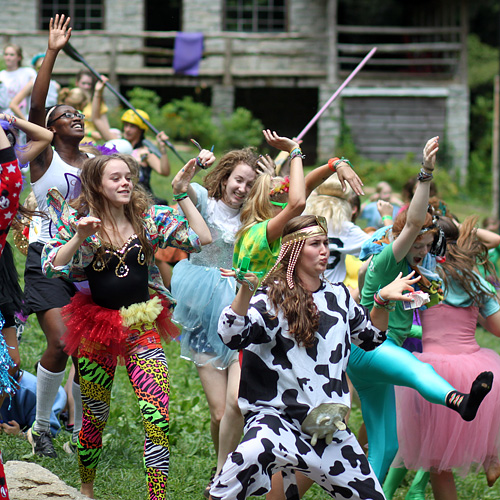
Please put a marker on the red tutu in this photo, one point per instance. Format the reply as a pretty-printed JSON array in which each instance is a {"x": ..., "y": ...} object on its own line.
[{"x": 95, "y": 332}]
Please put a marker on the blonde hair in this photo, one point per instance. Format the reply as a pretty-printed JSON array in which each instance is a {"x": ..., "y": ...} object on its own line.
[
  {"x": 258, "y": 207},
  {"x": 331, "y": 202},
  {"x": 75, "y": 97}
]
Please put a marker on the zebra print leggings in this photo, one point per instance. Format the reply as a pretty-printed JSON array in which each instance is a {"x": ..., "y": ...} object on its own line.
[{"x": 148, "y": 374}]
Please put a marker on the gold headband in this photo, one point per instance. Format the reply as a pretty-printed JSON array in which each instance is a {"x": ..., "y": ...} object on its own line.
[{"x": 307, "y": 232}]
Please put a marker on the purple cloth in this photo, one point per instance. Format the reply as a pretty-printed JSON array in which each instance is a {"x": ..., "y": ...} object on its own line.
[{"x": 188, "y": 51}]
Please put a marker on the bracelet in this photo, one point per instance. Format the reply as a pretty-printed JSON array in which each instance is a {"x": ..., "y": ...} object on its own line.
[
  {"x": 180, "y": 196},
  {"x": 89, "y": 134},
  {"x": 424, "y": 176},
  {"x": 345, "y": 160},
  {"x": 10, "y": 119},
  {"x": 331, "y": 164},
  {"x": 379, "y": 303},
  {"x": 297, "y": 152},
  {"x": 387, "y": 217}
]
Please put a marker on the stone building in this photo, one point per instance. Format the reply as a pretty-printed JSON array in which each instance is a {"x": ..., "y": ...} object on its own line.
[{"x": 283, "y": 59}]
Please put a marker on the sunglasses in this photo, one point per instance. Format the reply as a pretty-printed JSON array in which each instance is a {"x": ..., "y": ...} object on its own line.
[{"x": 69, "y": 115}]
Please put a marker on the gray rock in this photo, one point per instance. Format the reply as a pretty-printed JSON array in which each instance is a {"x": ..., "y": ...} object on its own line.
[{"x": 29, "y": 481}]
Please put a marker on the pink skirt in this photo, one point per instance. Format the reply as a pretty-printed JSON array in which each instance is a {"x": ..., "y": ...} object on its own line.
[{"x": 433, "y": 437}]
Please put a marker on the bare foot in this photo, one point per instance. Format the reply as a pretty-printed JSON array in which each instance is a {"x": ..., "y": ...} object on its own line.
[{"x": 492, "y": 473}]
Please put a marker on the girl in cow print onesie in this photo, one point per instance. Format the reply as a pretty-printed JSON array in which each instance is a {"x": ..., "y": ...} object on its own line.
[{"x": 296, "y": 335}]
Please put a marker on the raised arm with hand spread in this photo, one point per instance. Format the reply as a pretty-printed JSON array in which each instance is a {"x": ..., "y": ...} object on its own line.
[
  {"x": 180, "y": 186},
  {"x": 418, "y": 206}
]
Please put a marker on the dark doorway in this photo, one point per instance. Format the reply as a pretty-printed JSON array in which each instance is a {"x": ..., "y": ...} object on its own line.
[
  {"x": 286, "y": 110},
  {"x": 161, "y": 16}
]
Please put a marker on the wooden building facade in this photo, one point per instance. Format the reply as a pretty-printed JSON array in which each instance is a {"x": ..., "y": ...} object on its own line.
[{"x": 282, "y": 59}]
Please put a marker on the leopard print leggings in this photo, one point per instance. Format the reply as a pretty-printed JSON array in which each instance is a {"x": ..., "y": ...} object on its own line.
[{"x": 148, "y": 374}]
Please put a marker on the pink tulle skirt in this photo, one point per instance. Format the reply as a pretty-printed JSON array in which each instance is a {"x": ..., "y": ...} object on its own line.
[
  {"x": 94, "y": 331},
  {"x": 434, "y": 437}
]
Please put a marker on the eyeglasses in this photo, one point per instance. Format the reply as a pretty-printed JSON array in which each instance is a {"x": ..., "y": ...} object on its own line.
[
  {"x": 278, "y": 204},
  {"x": 69, "y": 115}
]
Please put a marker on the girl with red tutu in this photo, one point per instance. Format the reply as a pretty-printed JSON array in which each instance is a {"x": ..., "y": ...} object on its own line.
[
  {"x": 429, "y": 436},
  {"x": 110, "y": 239}
]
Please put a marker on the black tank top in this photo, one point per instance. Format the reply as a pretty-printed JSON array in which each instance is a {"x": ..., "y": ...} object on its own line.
[{"x": 119, "y": 278}]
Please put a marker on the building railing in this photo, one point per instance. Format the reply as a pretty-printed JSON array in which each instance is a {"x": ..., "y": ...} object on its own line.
[{"x": 403, "y": 52}]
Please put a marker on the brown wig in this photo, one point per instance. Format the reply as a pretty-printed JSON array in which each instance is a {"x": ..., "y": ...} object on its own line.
[
  {"x": 214, "y": 180},
  {"x": 92, "y": 200},
  {"x": 464, "y": 252},
  {"x": 296, "y": 304}
]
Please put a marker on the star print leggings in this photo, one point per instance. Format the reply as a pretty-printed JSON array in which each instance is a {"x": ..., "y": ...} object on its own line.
[{"x": 148, "y": 374}]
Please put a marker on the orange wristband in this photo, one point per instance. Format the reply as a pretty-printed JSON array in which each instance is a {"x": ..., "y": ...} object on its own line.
[{"x": 331, "y": 164}]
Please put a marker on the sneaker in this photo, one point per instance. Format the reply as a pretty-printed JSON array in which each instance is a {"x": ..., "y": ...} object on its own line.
[
  {"x": 70, "y": 447},
  {"x": 41, "y": 442}
]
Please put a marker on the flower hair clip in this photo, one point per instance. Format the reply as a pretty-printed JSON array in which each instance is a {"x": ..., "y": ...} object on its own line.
[{"x": 282, "y": 187}]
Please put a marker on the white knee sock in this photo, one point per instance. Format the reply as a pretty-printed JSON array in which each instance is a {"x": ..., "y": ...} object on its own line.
[
  {"x": 47, "y": 385},
  {"x": 77, "y": 396}
]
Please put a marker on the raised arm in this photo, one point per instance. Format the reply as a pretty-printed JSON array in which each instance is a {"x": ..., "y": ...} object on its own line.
[
  {"x": 344, "y": 172},
  {"x": 100, "y": 120},
  {"x": 297, "y": 190},
  {"x": 417, "y": 210},
  {"x": 59, "y": 35},
  {"x": 180, "y": 185},
  {"x": 39, "y": 138}
]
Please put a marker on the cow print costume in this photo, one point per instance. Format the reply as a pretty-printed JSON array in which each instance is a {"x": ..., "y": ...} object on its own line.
[{"x": 281, "y": 382}]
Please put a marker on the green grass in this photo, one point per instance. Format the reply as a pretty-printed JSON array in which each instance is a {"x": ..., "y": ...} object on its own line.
[{"x": 120, "y": 475}]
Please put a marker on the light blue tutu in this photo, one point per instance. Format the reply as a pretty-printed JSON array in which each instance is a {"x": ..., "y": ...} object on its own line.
[{"x": 201, "y": 293}]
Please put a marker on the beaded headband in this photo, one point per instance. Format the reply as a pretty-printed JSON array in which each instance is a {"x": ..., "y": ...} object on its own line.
[
  {"x": 307, "y": 232},
  {"x": 295, "y": 241}
]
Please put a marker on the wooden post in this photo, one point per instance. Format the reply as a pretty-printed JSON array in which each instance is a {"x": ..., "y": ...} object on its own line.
[
  {"x": 331, "y": 19},
  {"x": 495, "y": 146},
  {"x": 227, "y": 79}
]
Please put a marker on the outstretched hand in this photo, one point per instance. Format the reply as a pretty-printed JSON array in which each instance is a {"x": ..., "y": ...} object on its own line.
[
  {"x": 395, "y": 289},
  {"x": 266, "y": 165},
  {"x": 247, "y": 280},
  {"x": 281, "y": 143},
  {"x": 429, "y": 154},
  {"x": 87, "y": 226},
  {"x": 347, "y": 174},
  {"x": 59, "y": 32}
]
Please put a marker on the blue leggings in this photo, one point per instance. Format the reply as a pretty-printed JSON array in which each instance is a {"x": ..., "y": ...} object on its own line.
[{"x": 374, "y": 375}]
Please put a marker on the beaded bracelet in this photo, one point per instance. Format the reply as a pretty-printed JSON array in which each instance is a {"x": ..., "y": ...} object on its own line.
[
  {"x": 331, "y": 164},
  {"x": 297, "y": 152},
  {"x": 424, "y": 176},
  {"x": 180, "y": 196}
]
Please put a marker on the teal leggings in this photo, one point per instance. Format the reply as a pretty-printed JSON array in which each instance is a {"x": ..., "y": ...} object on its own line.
[{"x": 374, "y": 375}]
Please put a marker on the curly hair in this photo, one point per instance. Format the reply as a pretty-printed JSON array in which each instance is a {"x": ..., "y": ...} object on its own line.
[
  {"x": 215, "y": 180},
  {"x": 296, "y": 304},
  {"x": 464, "y": 252},
  {"x": 92, "y": 199}
]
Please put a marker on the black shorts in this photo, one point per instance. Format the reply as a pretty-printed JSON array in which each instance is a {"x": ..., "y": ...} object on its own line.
[{"x": 43, "y": 293}]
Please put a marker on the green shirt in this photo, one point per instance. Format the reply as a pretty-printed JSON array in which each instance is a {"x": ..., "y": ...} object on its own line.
[
  {"x": 382, "y": 270},
  {"x": 254, "y": 244}
]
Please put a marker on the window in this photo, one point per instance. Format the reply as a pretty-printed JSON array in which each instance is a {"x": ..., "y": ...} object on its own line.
[
  {"x": 255, "y": 15},
  {"x": 85, "y": 14}
]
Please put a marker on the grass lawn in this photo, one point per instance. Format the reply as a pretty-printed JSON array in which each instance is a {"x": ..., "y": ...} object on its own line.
[{"x": 120, "y": 474}]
